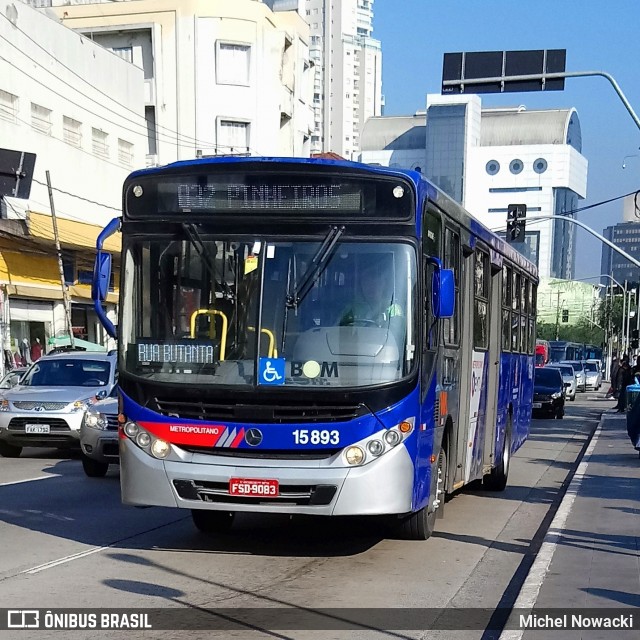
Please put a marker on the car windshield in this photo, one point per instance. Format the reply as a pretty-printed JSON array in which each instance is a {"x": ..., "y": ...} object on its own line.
[
  {"x": 547, "y": 377},
  {"x": 591, "y": 367},
  {"x": 320, "y": 313},
  {"x": 68, "y": 372},
  {"x": 566, "y": 371}
]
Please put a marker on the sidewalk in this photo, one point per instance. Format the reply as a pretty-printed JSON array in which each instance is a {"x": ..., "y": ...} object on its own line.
[{"x": 595, "y": 556}]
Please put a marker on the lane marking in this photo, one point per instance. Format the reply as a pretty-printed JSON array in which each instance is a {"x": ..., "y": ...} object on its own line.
[
  {"x": 531, "y": 588},
  {"x": 55, "y": 563},
  {"x": 6, "y": 484}
]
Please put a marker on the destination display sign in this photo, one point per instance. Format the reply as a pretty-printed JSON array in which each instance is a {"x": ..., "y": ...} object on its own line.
[
  {"x": 239, "y": 194},
  {"x": 339, "y": 197},
  {"x": 183, "y": 352}
]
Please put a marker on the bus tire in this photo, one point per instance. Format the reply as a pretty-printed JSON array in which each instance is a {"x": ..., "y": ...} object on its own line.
[
  {"x": 212, "y": 521},
  {"x": 497, "y": 479},
  {"x": 94, "y": 468},
  {"x": 9, "y": 450},
  {"x": 421, "y": 524}
]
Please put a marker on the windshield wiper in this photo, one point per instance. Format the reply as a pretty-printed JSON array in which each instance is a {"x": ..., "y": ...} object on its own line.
[
  {"x": 205, "y": 256},
  {"x": 315, "y": 269}
]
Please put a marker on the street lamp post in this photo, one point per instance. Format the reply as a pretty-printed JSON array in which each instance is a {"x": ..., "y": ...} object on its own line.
[{"x": 625, "y": 320}]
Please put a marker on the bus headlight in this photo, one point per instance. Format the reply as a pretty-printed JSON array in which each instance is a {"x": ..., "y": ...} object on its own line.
[
  {"x": 392, "y": 437},
  {"x": 160, "y": 449},
  {"x": 354, "y": 456},
  {"x": 143, "y": 439},
  {"x": 131, "y": 429},
  {"x": 375, "y": 447}
]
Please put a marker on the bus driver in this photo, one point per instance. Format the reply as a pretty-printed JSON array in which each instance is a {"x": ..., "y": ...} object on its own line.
[{"x": 374, "y": 304}]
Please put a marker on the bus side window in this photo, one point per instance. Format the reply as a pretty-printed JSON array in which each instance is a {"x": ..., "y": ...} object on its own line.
[
  {"x": 431, "y": 247},
  {"x": 452, "y": 261},
  {"x": 481, "y": 300}
]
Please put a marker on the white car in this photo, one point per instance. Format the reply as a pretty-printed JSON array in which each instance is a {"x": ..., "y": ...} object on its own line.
[
  {"x": 578, "y": 367},
  {"x": 569, "y": 379},
  {"x": 47, "y": 406},
  {"x": 594, "y": 376}
]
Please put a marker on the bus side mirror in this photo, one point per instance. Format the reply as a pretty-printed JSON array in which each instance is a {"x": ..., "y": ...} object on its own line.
[
  {"x": 443, "y": 293},
  {"x": 101, "y": 276}
]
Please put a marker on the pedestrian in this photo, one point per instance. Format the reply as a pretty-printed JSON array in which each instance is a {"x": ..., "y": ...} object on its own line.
[
  {"x": 36, "y": 350},
  {"x": 624, "y": 377},
  {"x": 612, "y": 393}
]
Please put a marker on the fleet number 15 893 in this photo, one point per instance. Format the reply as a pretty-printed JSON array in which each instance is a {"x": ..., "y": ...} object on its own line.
[{"x": 316, "y": 436}]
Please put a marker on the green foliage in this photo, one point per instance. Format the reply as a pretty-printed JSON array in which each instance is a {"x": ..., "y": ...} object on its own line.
[{"x": 581, "y": 331}]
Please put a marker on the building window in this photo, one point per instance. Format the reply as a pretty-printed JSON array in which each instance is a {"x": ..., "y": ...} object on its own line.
[
  {"x": 516, "y": 166},
  {"x": 99, "y": 141},
  {"x": 8, "y": 106},
  {"x": 72, "y": 131},
  {"x": 233, "y": 136},
  {"x": 540, "y": 165},
  {"x": 126, "y": 53},
  {"x": 125, "y": 153},
  {"x": 493, "y": 166},
  {"x": 41, "y": 119},
  {"x": 232, "y": 63}
]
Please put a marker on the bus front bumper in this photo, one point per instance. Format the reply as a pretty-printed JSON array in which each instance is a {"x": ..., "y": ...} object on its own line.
[{"x": 383, "y": 486}]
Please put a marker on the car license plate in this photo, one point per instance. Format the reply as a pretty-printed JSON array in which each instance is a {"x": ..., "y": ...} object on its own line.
[
  {"x": 253, "y": 487},
  {"x": 537, "y": 405},
  {"x": 37, "y": 428}
]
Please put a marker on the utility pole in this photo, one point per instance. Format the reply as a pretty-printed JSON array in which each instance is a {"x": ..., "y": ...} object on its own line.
[
  {"x": 65, "y": 292},
  {"x": 558, "y": 316}
]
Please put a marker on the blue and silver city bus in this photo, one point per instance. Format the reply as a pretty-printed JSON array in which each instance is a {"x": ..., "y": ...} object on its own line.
[{"x": 259, "y": 372}]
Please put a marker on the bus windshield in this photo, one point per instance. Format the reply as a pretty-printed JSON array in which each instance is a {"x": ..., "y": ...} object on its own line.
[{"x": 209, "y": 311}]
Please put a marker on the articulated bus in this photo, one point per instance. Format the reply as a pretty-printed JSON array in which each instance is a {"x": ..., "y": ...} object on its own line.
[{"x": 309, "y": 336}]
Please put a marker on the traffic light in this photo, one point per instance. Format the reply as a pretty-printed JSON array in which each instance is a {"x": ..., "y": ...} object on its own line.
[
  {"x": 516, "y": 219},
  {"x": 565, "y": 315}
]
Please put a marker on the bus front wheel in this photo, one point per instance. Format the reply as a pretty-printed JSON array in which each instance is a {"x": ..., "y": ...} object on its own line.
[
  {"x": 212, "y": 521},
  {"x": 421, "y": 524}
]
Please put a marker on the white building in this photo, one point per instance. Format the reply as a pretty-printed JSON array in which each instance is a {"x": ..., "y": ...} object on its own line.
[
  {"x": 490, "y": 158},
  {"x": 220, "y": 76},
  {"x": 348, "y": 73},
  {"x": 79, "y": 109}
]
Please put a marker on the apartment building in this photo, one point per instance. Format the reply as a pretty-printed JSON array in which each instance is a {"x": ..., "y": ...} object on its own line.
[
  {"x": 79, "y": 109},
  {"x": 347, "y": 86},
  {"x": 220, "y": 76}
]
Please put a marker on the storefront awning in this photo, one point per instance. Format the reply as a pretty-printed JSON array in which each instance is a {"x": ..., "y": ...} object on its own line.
[
  {"x": 77, "y": 291},
  {"x": 72, "y": 233}
]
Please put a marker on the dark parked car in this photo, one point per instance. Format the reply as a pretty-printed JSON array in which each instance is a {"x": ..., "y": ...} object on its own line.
[{"x": 548, "y": 392}]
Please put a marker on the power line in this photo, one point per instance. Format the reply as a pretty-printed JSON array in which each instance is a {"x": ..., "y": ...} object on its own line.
[
  {"x": 185, "y": 137},
  {"x": 74, "y": 195},
  {"x": 167, "y": 138},
  {"x": 570, "y": 213}
]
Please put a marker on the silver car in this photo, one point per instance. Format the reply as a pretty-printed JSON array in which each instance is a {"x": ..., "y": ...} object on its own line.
[
  {"x": 581, "y": 378},
  {"x": 569, "y": 379},
  {"x": 99, "y": 436},
  {"x": 594, "y": 377},
  {"x": 46, "y": 408}
]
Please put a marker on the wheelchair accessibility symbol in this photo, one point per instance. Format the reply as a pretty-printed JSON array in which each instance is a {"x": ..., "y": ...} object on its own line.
[{"x": 271, "y": 371}]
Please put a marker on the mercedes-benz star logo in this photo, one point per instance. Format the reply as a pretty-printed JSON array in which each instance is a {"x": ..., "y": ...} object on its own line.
[{"x": 253, "y": 437}]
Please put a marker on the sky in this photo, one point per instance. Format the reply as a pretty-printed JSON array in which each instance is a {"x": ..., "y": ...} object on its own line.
[{"x": 599, "y": 35}]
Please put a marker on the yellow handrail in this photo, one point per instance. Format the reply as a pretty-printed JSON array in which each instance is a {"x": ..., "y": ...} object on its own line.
[
  {"x": 273, "y": 352},
  {"x": 212, "y": 329}
]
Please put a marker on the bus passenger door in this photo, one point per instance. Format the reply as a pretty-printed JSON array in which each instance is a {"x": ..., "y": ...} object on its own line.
[
  {"x": 475, "y": 396},
  {"x": 493, "y": 378}
]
